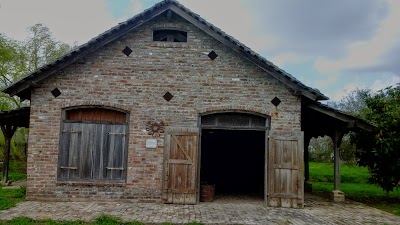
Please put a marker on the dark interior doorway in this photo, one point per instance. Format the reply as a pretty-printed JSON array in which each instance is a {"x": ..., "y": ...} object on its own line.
[{"x": 233, "y": 160}]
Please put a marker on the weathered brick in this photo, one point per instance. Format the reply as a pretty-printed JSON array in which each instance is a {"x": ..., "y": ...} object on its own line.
[{"x": 137, "y": 84}]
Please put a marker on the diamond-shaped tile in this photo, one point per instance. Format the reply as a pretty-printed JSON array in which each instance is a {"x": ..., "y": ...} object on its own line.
[
  {"x": 168, "y": 96},
  {"x": 55, "y": 92},
  {"x": 127, "y": 51},
  {"x": 276, "y": 101},
  {"x": 212, "y": 55}
]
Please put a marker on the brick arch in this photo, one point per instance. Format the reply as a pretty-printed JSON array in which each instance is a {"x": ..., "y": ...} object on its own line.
[
  {"x": 113, "y": 106},
  {"x": 239, "y": 109}
]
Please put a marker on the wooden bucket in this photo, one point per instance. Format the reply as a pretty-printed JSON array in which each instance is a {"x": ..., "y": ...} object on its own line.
[{"x": 207, "y": 192}]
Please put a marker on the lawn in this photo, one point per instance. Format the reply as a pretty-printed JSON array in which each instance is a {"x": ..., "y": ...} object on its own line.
[
  {"x": 17, "y": 171},
  {"x": 102, "y": 220},
  {"x": 10, "y": 197},
  {"x": 354, "y": 183}
]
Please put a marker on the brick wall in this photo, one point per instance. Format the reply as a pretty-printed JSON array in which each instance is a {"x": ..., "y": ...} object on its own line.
[{"x": 137, "y": 84}]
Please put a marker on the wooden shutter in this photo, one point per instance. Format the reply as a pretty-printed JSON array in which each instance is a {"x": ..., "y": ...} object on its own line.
[
  {"x": 180, "y": 165},
  {"x": 116, "y": 147},
  {"x": 285, "y": 163},
  {"x": 70, "y": 145},
  {"x": 93, "y": 151},
  {"x": 109, "y": 150}
]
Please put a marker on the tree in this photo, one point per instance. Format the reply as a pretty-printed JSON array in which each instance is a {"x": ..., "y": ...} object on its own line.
[
  {"x": 380, "y": 150},
  {"x": 354, "y": 103},
  {"x": 18, "y": 59},
  {"x": 12, "y": 64},
  {"x": 41, "y": 47},
  {"x": 321, "y": 149}
]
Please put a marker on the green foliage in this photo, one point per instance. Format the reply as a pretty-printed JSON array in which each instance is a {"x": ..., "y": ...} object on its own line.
[
  {"x": 380, "y": 150},
  {"x": 17, "y": 171},
  {"x": 321, "y": 150},
  {"x": 41, "y": 48},
  {"x": 21, "y": 221},
  {"x": 10, "y": 65},
  {"x": 111, "y": 220},
  {"x": 18, "y": 145},
  {"x": 107, "y": 220},
  {"x": 10, "y": 197},
  {"x": 29, "y": 221},
  {"x": 354, "y": 103},
  {"x": 101, "y": 220},
  {"x": 347, "y": 151}
]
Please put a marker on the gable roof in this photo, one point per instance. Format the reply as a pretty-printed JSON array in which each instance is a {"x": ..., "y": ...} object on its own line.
[{"x": 22, "y": 87}]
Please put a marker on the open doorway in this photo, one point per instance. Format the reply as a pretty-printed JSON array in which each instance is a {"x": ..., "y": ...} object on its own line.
[{"x": 234, "y": 161}]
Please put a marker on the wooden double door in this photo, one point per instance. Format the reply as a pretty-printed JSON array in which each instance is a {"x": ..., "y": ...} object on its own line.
[{"x": 283, "y": 167}]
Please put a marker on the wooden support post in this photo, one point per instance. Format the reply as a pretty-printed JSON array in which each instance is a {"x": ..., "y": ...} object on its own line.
[
  {"x": 8, "y": 132},
  {"x": 336, "y": 156},
  {"x": 338, "y": 196}
]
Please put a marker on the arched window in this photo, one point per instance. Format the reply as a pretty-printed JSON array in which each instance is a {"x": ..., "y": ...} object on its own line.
[
  {"x": 93, "y": 144},
  {"x": 168, "y": 35}
]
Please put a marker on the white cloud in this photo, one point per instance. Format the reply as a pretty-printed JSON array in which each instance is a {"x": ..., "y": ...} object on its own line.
[
  {"x": 368, "y": 53},
  {"x": 285, "y": 58},
  {"x": 383, "y": 83},
  {"x": 339, "y": 94},
  {"x": 236, "y": 20},
  {"x": 329, "y": 80},
  {"x": 69, "y": 21}
]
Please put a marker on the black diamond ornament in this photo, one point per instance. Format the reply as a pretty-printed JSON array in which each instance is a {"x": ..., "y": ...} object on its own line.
[
  {"x": 55, "y": 92},
  {"x": 276, "y": 101},
  {"x": 127, "y": 51},
  {"x": 212, "y": 55},
  {"x": 168, "y": 96}
]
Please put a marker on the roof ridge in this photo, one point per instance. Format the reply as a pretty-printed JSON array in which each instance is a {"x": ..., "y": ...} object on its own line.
[{"x": 136, "y": 19}]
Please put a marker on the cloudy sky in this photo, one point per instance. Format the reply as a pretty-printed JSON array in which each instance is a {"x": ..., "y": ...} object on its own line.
[{"x": 335, "y": 46}]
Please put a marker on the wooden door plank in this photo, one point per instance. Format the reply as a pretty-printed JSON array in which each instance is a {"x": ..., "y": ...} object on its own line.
[
  {"x": 181, "y": 147},
  {"x": 180, "y": 165},
  {"x": 285, "y": 169}
]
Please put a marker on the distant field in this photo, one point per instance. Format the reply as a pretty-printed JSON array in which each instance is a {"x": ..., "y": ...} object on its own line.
[{"x": 354, "y": 183}]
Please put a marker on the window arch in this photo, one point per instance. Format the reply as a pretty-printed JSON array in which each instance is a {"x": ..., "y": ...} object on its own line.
[
  {"x": 235, "y": 120},
  {"x": 93, "y": 144},
  {"x": 95, "y": 114}
]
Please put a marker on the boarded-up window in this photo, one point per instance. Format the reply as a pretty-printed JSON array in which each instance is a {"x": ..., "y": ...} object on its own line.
[
  {"x": 95, "y": 115},
  {"x": 93, "y": 145}
]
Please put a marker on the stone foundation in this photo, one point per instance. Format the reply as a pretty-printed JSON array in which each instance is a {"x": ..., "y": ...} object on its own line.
[{"x": 338, "y": 196}]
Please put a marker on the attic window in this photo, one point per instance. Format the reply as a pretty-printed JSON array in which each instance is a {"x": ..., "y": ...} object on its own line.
[{"x": 170, "y": 35}]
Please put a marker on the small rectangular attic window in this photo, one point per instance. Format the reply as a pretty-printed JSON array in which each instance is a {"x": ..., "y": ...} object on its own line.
[{"x": 170, "y": 35}]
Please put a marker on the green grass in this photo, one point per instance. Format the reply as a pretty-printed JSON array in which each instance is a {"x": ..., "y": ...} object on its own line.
[
  {"x": 101, "y": 220},
  {"x": 10, "y": 197},
  {"x": 17, "y": 171},
  {"x": 323, "y": 172},
  {"x": 354, "y": 183}
]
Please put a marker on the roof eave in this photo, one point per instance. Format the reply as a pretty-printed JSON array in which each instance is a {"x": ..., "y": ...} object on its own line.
[
  {"x": 352, "y": 121},
  {"x": 22, "y": 87}
]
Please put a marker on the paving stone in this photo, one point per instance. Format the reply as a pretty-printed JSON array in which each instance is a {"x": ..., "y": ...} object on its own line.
[{"x": 222, "y": 211}]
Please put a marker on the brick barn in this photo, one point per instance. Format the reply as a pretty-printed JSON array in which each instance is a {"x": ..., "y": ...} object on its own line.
[{"x": 162, "y": 103}]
